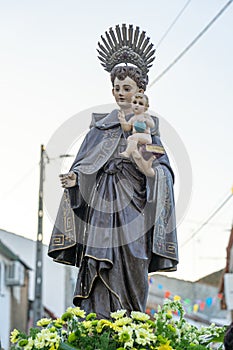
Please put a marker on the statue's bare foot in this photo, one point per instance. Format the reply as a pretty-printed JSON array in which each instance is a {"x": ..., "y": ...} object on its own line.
[
  {"x": 150, "y": 172},
  {"x": 150, "y": 161},
  {"x": 145, "y": 166}
]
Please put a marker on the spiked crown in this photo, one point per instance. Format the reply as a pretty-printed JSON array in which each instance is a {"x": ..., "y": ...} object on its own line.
[{"x": 126, "y": 45}]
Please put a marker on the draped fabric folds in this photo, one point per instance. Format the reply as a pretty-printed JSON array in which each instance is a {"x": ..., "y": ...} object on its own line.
[{"x": 116, "y": 225}]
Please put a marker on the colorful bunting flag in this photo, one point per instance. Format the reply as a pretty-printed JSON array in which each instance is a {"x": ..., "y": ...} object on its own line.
[
  {"x": 191, "y": 306},
  {"x": 167, "y": 294},
  {"x": 195, "y": 308},
  {"x": 209, "y": 302}
]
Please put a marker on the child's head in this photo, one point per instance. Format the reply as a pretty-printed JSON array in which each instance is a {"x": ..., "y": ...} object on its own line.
[{"x": 140, "y": 103}]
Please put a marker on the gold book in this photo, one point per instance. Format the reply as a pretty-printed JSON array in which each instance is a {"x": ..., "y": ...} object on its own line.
[{"x": 155, "y": 149}]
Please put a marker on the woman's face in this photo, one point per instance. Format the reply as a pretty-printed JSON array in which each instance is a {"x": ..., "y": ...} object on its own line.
[{"x": 123, "y": 91}]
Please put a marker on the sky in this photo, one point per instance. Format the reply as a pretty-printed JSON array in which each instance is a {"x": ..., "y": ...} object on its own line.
[{"x": 50, "y": 72}]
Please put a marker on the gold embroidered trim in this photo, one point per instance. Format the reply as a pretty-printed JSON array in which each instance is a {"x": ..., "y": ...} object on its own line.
[
  {"x": 54, "y": 250},
  {"x": 62, "y": 262},
  {"x": 93, "y": 257},
  {"x": 86, "y": 296}
]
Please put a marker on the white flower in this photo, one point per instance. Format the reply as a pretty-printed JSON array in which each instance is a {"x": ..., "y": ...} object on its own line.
[
  {"x": 143, "y": 337},
  {"x": 125, "y": 335},
  {"x": 30, "y": 344},
  {"x": 39, "y": 342},
  {"x": 46, "y": 338},
  {"x": 118, "y": 314},
  {"x": 139, "y": 316}
]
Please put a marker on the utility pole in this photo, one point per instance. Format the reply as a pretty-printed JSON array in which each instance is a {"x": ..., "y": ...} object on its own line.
[{"x": 38, "y": 304}]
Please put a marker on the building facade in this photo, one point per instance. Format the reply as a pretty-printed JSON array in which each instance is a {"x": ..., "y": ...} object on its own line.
[
  {"x": 14, "y": 286},
  {"x": 57, "y": 287}
]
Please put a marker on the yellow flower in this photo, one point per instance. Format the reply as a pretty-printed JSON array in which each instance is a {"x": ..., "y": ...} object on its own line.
[
  {"x": 87, "y": 324},
  {"x": 103, "y": 323},
  {"x": 91, "y": 316},
  {"x": 14, "y": 336},
  {"x": 59, "y": 323},
  {"x": 116, "y": 328},
  {"x": 169, "y": 315},
  {"x": 144, "y": 326},
  {"x": 69, "y": 309},
  {"x": 66, "y": 316},
  {"x": 165, "y": 346},
  {"x": 44, "y": 322},
  {"x": 123, "y": 321},
  {"x": 76, "y": 311}
]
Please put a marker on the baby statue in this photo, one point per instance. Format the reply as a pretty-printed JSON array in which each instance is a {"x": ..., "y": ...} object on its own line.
[{"x": 140, "y": 124}]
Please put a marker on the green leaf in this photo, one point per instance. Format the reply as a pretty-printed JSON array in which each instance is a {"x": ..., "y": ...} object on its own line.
[
  {"x": 33, "y": 332},
  {"x": 219, "y": 339},
  {"x": 66, "y": 346},
  {"x": 214, "y": 339}
]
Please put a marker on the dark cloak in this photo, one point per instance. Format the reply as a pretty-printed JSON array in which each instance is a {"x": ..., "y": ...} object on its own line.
[{"x": 116, "y": 224}]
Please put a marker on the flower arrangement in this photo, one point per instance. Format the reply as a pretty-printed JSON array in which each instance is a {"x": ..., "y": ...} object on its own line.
[{"x": 74, "y": 330}]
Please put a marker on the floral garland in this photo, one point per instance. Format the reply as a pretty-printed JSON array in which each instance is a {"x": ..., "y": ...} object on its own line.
[{"x": 75, "y": 330}]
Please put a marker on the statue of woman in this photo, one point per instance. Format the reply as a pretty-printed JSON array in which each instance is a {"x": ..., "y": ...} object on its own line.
[{"x": 115, "y": 223}]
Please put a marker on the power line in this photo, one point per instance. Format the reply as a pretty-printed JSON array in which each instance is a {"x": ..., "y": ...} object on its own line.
[
  {"x": 29, "y": 172},
  {"x": 20, "y": 181},
  {"x": 209, "y": 218},
  {"x": 191, "y": 44},
  {"x": 173, "y": 23},
  {"x": 197, "y": 222}
]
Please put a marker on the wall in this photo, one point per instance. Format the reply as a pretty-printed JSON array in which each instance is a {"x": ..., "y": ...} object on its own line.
[
  {"x": 19, "y": 305},
  {"x": 193, "y": 291},
  {"x": 5, "y": 308},
  {"x": 56, "y": 294}
]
